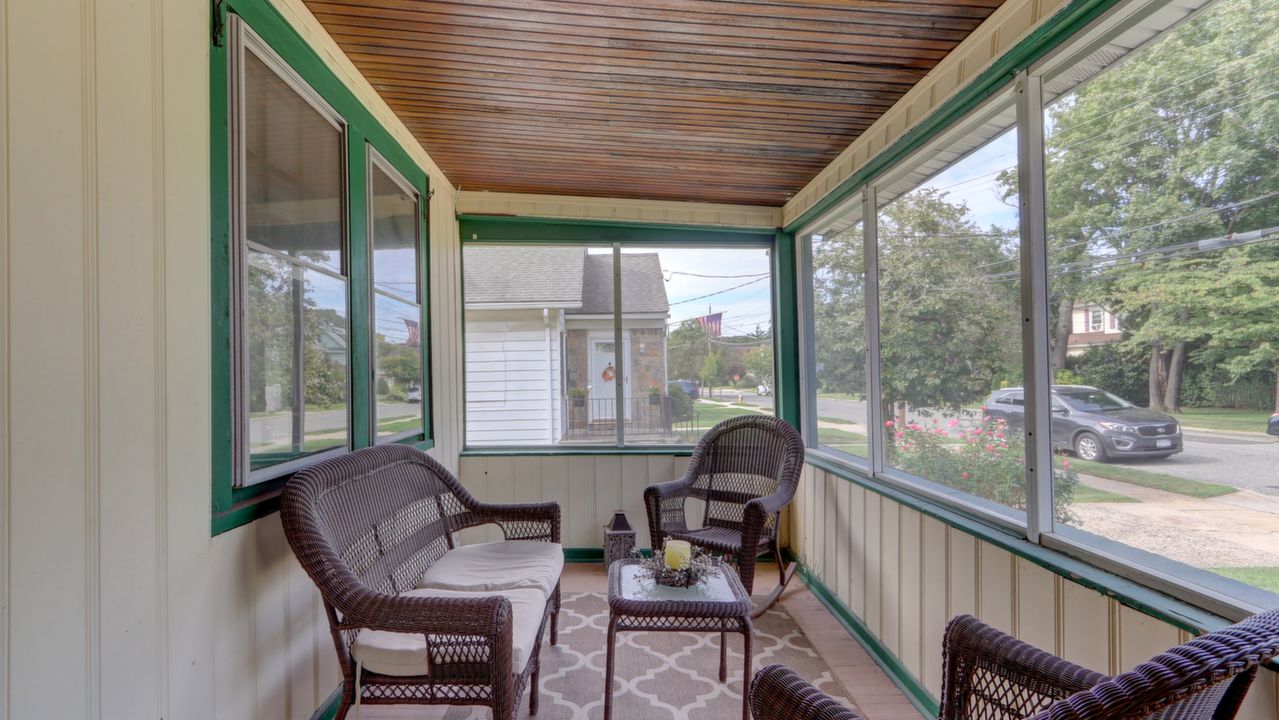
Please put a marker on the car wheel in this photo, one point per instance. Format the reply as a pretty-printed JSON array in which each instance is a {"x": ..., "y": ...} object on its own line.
[{"x": 1088, "y": 446}]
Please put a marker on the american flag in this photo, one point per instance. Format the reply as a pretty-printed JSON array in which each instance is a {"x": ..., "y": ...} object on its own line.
[
  {"x": 712, "y": 324},
  {"x": 415, "y": 333}
]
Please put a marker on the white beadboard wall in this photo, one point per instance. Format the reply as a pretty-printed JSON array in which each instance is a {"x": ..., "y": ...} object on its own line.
[
  {"x": 115, "y": 602},
  {"x": 904, "y": 574}
]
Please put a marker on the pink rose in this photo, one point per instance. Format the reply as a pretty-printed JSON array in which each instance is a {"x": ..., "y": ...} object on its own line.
[
  {"x": 965, "y": 475},
  {"x": 888, "y": 423}
]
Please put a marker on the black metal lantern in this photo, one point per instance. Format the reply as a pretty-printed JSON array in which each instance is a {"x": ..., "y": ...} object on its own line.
[{"x": 619, "y": 539}]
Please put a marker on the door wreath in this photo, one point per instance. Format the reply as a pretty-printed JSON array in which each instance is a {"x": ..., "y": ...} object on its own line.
[{"x": 608, "y": 374}]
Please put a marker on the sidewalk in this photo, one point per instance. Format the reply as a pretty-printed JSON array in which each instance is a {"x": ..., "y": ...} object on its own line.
[{"x": 1236, "y": 530}]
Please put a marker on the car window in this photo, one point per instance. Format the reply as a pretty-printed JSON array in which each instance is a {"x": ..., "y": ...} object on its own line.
[
  {"x": 1012, "y": 399},
  {"x": 1093, "y": 400}
]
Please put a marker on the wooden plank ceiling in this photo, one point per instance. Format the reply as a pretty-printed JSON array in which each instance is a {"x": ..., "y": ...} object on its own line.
[{"x": 739, "y": 101}]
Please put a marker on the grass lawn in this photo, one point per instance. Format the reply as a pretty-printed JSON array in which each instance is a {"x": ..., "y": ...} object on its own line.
[
  {"x": 1224, "y": 419},
  {"x": 1085, "y": 494},
  {"x": 1157, "y": 481},
  {"x": 391, "y": 427},
  {"x": 841, "y": 421},
  {"x": 1266, "y": 578},
  {"x": 708, "y": 414}
]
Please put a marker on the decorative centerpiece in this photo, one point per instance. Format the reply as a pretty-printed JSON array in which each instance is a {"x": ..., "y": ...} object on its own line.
[{"x": 678, "y": 564}]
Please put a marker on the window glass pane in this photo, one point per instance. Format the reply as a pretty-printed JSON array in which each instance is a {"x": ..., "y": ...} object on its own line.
[
  {"x": 838, "y": 395},
  {"x": 950, "y": 335},
  {"x": 542, "y": 352},
  {"x": 717, "y": 339},
  {"x": 540, "y": 368},
  {"x": 394, "y": 215},
  {"x": 1163, "y": 210},
  {"x": 296, "y": 332},
  {"x": 293, "y": 170},
  {"x": 397, "y": 347},
  {"x": 397, "y": 316}
]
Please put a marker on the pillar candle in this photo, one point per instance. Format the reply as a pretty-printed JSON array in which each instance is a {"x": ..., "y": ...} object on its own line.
[{"x": 679, "y": 554}]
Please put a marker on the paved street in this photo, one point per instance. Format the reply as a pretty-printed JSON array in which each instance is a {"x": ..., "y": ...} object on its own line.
[{"x": 1237, "y": 459}]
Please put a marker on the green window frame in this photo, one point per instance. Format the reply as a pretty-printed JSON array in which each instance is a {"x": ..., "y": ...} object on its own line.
[
  {"x": 234, "y": 501},
  {"x": 517, "y": 230}
]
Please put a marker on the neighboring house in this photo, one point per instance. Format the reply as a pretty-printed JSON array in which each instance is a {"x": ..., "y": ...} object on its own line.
[
  {"x": 539, "y": 335},
  {"x": 1092, "y": 324}
]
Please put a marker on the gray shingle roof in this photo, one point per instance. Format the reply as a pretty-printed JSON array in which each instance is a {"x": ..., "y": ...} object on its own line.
[
  {"x": 523, "y": 275},
  {"x": 533, "y": 276},
  {"x": 643, "y": 286}
]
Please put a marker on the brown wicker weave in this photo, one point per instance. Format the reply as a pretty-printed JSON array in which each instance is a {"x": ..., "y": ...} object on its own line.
[
  {"x": 746, "y": 469},
  {"x": 696, "y": 613},
  {"x": 779, "y": 694},
  {"x": 990, "y": 675},
  {"x": 366, "y": 526}
]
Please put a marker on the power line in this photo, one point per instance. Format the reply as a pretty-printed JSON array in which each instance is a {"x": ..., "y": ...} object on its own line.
[{"x": 719, "y": 292}]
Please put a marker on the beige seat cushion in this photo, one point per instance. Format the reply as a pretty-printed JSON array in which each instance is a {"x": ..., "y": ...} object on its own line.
[
  {"x": 404, "y": 654},
  {"x": 505, "y": 565}
]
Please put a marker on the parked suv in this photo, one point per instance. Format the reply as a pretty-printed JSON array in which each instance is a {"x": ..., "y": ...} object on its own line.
[{"x": 1092, "y": 423}]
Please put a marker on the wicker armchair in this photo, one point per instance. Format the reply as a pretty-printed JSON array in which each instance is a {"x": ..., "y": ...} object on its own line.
[
  {"x": 366, "y": 527},
  {"x": 746, "y": 469},
  {"x": 991, "y": 675}
]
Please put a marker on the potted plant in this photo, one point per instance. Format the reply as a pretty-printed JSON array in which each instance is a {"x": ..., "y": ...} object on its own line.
[
  {"x": 579, "y": 397},
  {"x": 654, "y": 394}
]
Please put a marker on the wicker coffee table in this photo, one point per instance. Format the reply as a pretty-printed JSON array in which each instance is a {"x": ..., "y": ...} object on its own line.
[{"x": 717, "y": 604}]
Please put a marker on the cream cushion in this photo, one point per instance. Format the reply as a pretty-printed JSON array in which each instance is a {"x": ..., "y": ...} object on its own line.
[
  {"x": 403, "y": 654},
  {"x": 505, "y": 565}
]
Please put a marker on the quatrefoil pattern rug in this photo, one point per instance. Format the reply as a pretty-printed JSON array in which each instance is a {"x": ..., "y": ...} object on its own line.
[{"x": 659, "y": 676}]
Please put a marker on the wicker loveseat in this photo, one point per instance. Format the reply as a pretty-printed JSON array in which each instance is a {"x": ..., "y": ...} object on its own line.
[{"x": 415, "y": 618}]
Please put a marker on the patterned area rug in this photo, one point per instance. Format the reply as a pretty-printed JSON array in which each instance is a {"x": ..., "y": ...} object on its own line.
[{"x": 659, "y": 676}]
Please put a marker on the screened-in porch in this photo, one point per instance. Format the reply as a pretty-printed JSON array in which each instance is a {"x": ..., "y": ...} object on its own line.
[{"x": 695, "y": 359}]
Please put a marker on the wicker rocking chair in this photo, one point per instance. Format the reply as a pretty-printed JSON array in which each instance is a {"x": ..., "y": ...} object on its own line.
[
  {"x": 991, "y": 675},
  {"x": 367, "y": 527},
  {"x": 745, "y": 469}
]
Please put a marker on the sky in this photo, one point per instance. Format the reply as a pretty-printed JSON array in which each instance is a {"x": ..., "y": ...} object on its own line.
[
  {"x": 737, "y": 282},
  {"x": 972, "y": 181}
]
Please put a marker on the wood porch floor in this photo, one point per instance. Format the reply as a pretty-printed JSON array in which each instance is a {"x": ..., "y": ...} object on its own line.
[{"x": 875, "y": 695}]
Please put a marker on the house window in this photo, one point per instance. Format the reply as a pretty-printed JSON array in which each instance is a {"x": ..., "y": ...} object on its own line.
[
  {"x": 289, "y": 223},
  {"x": 393, "y": 214},
  {"x": 1096, "y": 319},
  {"x": 554, "y": 359}
]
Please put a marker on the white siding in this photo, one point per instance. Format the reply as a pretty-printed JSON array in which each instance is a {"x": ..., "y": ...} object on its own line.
[{"x": 512, "y": 378}]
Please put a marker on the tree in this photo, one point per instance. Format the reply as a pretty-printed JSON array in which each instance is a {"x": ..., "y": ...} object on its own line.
[
  {"x": 839, "y": 312},
  {"x": 713, "y": 368},
  {"x": 948, "y": 328},
  {"x": 759, "y": 363},
  {"x": 1241, "y": 307},
  {"x": 1173, "y": 145},
  {"x": 686, "y": 350}
]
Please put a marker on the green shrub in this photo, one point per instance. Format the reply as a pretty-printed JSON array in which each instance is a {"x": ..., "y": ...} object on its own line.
[
  {"x": 1119, "y": 368},
  {"x": 681, "y": 404},
  {"x": 987, "y": 461}
]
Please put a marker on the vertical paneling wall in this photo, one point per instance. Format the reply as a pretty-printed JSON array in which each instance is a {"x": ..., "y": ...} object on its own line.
[
  {"x": 904, "y": 574},
  {"x": 115, "y": 602}
]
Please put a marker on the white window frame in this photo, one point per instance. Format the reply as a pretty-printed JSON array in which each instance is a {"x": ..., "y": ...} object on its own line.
[{"x": 243, "y": 40}]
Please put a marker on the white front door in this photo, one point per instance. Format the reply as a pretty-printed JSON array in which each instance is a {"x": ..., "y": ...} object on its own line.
[{"x": 603, "y": 398}]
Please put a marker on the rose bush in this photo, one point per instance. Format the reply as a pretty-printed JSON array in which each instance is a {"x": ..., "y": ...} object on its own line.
[{"x": 987, "y": 461}]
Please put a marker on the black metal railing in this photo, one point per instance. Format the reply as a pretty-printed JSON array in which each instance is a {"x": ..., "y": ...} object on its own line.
[{"x": 653, "y": 418}]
